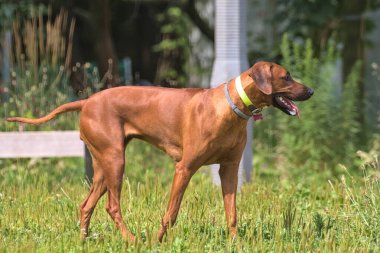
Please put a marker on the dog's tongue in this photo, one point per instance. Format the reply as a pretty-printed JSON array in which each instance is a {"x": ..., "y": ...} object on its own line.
[
  {"x": 292, "y": 107},
  {"x": 295, "y": 111},
  {"x": 288, "y": 106}
]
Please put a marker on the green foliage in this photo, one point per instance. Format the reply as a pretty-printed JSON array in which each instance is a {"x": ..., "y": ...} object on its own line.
[
  {"x": 174, "y": 47},
  {"x": 302, "y": 18},
  {"x": 350, "y": 125},
  {"x": 6, "y": 14},
  {"x": 25, "y": 8},
  {"x": 320, "y": 19},
  {"x": 299, "y": 216},
  {"x": 328, "y": 131}
]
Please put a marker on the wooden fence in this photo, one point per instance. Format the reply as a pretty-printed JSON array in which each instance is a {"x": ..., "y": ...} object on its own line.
[{"x": 43, "y": 145}]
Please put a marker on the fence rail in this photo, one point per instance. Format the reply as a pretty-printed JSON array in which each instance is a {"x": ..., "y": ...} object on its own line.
[{"x": 41, "y": 144}]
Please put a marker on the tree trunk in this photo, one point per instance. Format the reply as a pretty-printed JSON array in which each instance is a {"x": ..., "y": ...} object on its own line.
[
  {"x": 104, "y": 47},
  {"x": 353, "y": 32}
]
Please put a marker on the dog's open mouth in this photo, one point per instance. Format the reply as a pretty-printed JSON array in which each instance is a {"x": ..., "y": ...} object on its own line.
[{"x": 286, "y": 105}]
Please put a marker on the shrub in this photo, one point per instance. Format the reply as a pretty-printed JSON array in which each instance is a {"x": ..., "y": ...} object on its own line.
[{"x": 327, "y": 132}]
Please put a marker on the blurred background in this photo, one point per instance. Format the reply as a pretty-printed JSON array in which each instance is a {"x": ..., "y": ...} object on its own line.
[
  {"x": 57, "y": 51},
  {"x": 316, "y": 184}
]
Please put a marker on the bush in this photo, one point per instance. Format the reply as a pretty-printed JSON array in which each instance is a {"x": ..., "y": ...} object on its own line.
[{"x": 327, "y": 133}]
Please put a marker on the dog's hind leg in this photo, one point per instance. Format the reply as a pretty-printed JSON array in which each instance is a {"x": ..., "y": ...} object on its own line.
[
  {"x": 103, "y": 131},
  {"x": 97, "y": 190},
  {"x": 114, "y": 162}
]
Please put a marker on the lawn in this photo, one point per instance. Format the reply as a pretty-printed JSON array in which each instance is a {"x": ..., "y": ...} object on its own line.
[{"x": 39, "y": 202}]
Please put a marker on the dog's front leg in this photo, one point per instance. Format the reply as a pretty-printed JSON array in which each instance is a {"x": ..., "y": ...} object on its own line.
[
  {"x": 181, "y": 179},
  {"x": 229, "y": 178}
]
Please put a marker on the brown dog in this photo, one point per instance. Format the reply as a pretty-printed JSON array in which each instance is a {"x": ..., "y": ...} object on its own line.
[{"x": 194, "y": 126}]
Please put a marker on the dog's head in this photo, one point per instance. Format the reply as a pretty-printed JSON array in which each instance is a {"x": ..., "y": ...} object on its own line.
[{"x": 278, "y": 86}]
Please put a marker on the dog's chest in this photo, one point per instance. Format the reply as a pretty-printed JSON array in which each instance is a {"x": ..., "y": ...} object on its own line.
[{"x": 221, "y": 139}]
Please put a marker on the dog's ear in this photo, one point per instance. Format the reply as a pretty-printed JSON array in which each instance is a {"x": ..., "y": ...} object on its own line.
[{"x": 262, "y": 75}]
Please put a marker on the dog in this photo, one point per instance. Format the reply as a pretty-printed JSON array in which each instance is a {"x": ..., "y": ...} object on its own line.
[{"x": 194, "y": 126}]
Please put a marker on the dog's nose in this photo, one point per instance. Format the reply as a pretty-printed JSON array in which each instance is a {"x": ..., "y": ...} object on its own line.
[{"x": 310, "y": 92}]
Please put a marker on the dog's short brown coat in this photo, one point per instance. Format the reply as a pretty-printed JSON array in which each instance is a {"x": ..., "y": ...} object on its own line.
[{"x": 194, "y": 126}]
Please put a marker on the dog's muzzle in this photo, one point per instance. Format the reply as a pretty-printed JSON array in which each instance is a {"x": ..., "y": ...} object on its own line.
[{"x": 285, "y": 103}]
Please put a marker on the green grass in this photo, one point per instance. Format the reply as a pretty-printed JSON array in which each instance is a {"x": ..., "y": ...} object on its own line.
[{"x": 39, "y": 202}]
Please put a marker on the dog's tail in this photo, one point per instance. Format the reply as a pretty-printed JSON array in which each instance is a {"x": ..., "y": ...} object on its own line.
[{"x": 73, "y": 106}]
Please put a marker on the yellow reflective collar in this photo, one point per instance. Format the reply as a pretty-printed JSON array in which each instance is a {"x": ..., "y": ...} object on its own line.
[{"x": 244, "y": 97}]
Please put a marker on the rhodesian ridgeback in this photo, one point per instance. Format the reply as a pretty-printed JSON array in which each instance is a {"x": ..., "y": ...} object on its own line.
[{"x": 194, "y": 126}]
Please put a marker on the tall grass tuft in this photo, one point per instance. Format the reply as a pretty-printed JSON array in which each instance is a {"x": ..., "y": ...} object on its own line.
[{"x": 40, "y": 70}]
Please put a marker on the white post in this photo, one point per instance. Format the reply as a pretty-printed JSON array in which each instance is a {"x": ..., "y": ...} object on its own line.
[{"x": 230, "y": 61}]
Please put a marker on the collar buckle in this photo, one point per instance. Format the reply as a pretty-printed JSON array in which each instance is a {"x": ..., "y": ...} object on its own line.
[{"x": 256, "y": 111}]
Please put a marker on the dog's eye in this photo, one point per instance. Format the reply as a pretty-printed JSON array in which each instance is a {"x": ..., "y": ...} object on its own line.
[{"x": 288, "y": 77}]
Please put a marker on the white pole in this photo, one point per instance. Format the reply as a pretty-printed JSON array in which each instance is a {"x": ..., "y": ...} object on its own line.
[{"x": 230, "y": 61}]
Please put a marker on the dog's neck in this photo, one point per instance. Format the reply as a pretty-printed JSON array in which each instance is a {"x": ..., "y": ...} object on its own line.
[{"x": 259, "y": 99}]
